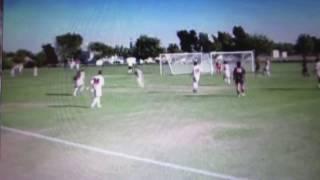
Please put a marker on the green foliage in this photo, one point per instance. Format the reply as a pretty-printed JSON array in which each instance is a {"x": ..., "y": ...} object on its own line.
[
  {"x": 305, "y": 44},
  {"x": 51, "y": 56},
  {"x": 288, "y": 47},
  {"x": 260, "y": 44},
  {"x": 24, "y": 53},
  {"x": 121, "y": 51},
  {"x": 20, "y": 56},
  {"x": 189, "y": 41},
  {"x": 225, "y": 41},
  {"x": 102, "y": 49},
  {"x": 241, "y": 39},
  {"x": 316, "y": 42},
  {"x": 147, "y": 47},
  {"x": 173, "y": 48},
  {"x": 204, "y": 42},
  {"x": 7, "y": 63},
  {"x": 68, "y": 44},
  {"x": 40, "y": 59}
]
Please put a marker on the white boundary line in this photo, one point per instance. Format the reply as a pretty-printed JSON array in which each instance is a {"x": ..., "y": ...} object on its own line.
[{"x": 122, "y": 155}]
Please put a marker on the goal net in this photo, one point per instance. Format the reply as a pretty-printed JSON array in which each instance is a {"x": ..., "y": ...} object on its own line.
[
  {"x": 182, "y": 63},
  {"x": 245, "y": 57}
]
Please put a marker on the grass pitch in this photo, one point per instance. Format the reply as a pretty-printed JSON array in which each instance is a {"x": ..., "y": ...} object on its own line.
[{"x": 272, "y": 133}]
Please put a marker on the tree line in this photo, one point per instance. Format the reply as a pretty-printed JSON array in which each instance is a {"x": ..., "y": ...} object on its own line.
[{"x": 68, "y": 46}]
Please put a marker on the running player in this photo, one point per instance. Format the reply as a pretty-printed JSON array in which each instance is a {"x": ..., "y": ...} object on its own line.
[
  {"x": 97, "y": 82},
  {"x": 78, "y": 82},
  {"x": 139, "y": 77}
]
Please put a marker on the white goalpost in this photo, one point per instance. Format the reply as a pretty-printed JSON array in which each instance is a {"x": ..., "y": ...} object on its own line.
[
  {"x": 245, "y": 57},
  {"x": 182, "y": 63}
]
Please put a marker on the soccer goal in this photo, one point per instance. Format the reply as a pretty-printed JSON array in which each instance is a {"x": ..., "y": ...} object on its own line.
[
  {"x": 245, "y": 57},
  {"x": 182, "y": 63}
]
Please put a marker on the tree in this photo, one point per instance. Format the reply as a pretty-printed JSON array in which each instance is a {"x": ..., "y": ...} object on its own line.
[
  {"x": 51, "y": 56},
  {"x": 40, "y": 59},
  {"x": 305, "y": 46},
  {"x": 204, "y": 42},
  {"x": 22, "y": 56},
  {"x": 122, "y": 51},
  {"x": 225, "y": 40},
  {"x": 173, "y": 48},
  {"x": 260, "y": 44},
  {"x": 194, "y": 41},
  {"x": 7, "y": 60},
  {"x": 241, "y": 39},
  {"x": 147, "y": 47},
  {"x": 24, "y": 53},
  {"x": 189, "y": 41},
  {"x": 316, "y": 49},
  {"x": 102, "y": 49},
  {"x": 216, "y": 45},
  {"x": 288, "y": 47},
  {"x": 185, "y": 44},
  {"x": 68, "y": 44}
]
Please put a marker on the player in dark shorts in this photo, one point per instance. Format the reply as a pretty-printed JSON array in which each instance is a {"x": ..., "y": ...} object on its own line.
[{"x": 239, "y": 77}]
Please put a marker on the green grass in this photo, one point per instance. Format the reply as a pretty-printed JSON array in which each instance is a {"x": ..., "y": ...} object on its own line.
[{"x": 272, "y": 133}]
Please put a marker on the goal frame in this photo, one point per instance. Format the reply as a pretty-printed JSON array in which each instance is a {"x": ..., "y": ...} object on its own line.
[
  {"x": 211, "y": 61},
  {"x": 213, "y": 53},
  {"x": 172, "y": 71}
]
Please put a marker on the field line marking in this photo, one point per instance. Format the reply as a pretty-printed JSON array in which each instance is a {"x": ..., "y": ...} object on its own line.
[{"x": 123, "y": 155}]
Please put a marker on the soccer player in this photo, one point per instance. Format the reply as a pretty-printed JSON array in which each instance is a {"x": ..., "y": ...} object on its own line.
[
  {"x": 218, "y": 67},
  {"x": 266, "y": 69},
  {"x": 257, "y": 67},
  {"x": 305, "y": 71},
  {"x": 226, "y": 72},
  {"x": 239, "y": 77},
  {"x": 13, "y": 71},
  {"x": 97, "y": 82},
  {"x": 196, "y": 72},
  {"x": 77, "y": 64},
  {"x": 35, "y": 71},
  {"x": 318, "y": 71},
  {"x": 139, "y": 77},
  {"x": 79, "y": 82},
  {"x": 131, "y": 61}
]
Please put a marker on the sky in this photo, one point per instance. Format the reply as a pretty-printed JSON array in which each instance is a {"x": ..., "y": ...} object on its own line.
[{"x": 28, "y": 24}]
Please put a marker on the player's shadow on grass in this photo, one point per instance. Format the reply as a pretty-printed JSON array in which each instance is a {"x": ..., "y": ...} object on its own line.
[
  {"x": 285, "y": 89},
  {"x": 58, "y": 94},
  {"x": 68, "y": 106}
]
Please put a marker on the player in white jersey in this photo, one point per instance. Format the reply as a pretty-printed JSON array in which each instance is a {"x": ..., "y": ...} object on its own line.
[
  {"x": 139, "y": 77},
  {"x": 97, "y": 82},
  {"x": 266, "y": 70},
  {"x": 318, "y": 71},
  {"x": 226, "y": 72},
  {"x": 79, "y": 82},
  {"x": 196, "y": 72},
  {"x": 131, "y": 61},
  {"x": 77, "y": 63}
]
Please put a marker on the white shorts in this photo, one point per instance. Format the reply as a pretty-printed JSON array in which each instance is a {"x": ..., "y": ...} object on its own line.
[{"x": 97, "y": 92}]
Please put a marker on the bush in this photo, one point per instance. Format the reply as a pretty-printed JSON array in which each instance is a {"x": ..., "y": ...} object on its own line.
[{"x": 7, "y": 63}]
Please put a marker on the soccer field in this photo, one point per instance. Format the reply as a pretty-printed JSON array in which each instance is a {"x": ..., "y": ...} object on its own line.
[{"x": 272, "y": 133}]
